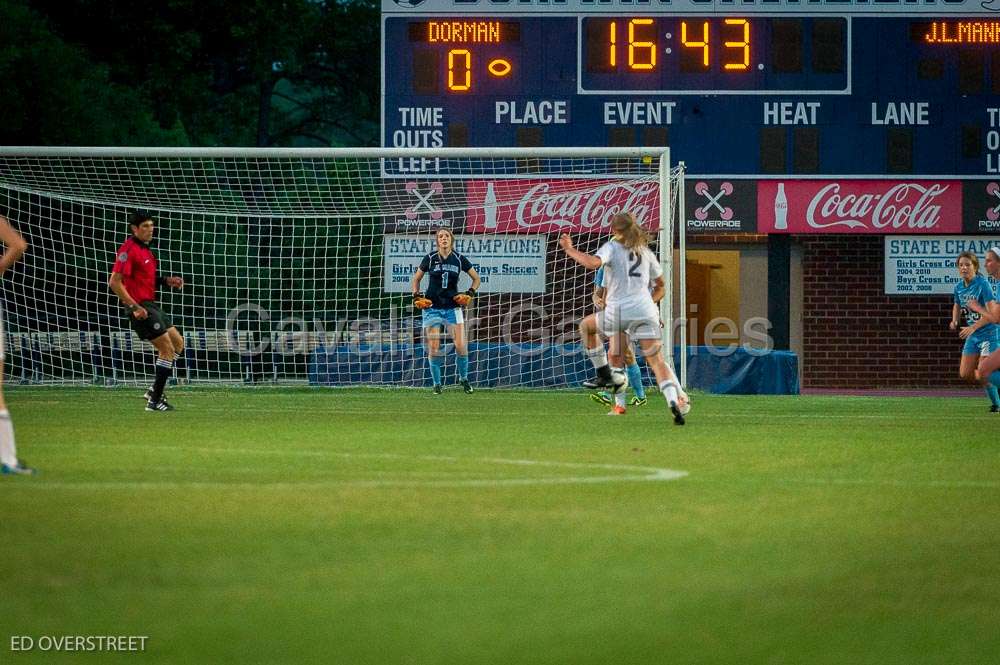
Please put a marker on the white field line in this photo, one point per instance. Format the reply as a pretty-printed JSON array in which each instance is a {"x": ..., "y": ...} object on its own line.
[
  {"x": 630, "y": 473},
  {"x": 626, "y": 473},
  {"x": 341, "y": 410}
]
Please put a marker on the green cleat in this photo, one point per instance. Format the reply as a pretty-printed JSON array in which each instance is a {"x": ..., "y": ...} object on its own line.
[
  {"x": 637, "y": 401},
  {"x": 602, "y": 398},
  {"x": 19, "y": 469}
]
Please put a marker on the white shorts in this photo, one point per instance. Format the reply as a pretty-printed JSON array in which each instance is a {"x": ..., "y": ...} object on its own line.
[{"x": 637, "y": 322}]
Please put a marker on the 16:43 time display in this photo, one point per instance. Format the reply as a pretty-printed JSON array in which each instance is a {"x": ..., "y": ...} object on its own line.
[{"x": 635, "y": 44}]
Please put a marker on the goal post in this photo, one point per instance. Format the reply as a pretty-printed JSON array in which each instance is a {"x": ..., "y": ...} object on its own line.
[{"x": 298, "y": 261}]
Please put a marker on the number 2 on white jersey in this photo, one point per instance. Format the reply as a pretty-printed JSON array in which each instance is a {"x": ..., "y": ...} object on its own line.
[{"x": 633, "y": 270}]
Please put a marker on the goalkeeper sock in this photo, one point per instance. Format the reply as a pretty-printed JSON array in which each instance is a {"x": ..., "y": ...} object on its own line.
[
  {"x": 991, "y": 392},
  {"x": 995, "y": 378},
  {"x": 8, "y": 451},
  {"x": 598, "y": 356},
  {"x": 164, "y": 368},
  {"x": 435, "y": 364},
  {"x": 635, "y": 380},
  {"x": 669, "y": 390},
  {"x": 463, "y": 367}
]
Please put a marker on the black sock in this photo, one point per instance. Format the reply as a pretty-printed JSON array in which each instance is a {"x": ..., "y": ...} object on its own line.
[{"x": 163, "y": 370}]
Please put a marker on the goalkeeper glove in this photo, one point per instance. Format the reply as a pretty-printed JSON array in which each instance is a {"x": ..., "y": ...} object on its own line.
[
  {"x": 464, "y": 298},
  {"x": 420, "y": 301}
]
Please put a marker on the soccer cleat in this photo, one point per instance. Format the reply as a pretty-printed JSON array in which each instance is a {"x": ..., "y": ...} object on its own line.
[
  {"x": 162, "y": 405},
  {"x": 602, "y": 397},
  {"x": 617, "y": 411},
  {"x": 149, "y": 394},
  {"x": 467, "y": 387},
  {"x": 678, "y": 416},
  {"x": 19, "y": 469},
  {"x": 437, "y": 389},
  {"x": 637, "y": 401},
  {"x": 995, "y": 409}
]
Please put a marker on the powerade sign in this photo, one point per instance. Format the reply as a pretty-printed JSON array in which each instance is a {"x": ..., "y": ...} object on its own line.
[
  {"x": 981, "y": 206},
  {"x": 720, "y": 206},
  {"x": 505, "y": 263},
  {"x": 425, "y": 205}
]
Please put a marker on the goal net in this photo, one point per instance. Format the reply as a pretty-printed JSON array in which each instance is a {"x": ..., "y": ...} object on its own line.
[{"x": 297, "y": 262}]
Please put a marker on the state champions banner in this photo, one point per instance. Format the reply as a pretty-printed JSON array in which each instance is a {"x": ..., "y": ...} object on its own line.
[
  {"x": 859, "y": 206},
  {"x": 505, "y": 263},
  {"x": 583, "y": 205},
  {"x": 917, "y": 265}
]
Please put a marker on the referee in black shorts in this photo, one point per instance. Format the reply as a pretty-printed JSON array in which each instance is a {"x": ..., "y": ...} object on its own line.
[{"x": 134, "y": 281}]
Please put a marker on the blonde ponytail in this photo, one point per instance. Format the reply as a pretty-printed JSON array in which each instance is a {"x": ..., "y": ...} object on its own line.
[{"x": 628, "y": 232}]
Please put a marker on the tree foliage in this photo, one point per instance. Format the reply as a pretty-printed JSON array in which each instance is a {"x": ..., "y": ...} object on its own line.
[{"x": 198, "y": 72}]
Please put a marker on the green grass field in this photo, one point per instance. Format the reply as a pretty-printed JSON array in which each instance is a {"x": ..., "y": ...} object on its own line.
[{"x": 356, "y": 527}]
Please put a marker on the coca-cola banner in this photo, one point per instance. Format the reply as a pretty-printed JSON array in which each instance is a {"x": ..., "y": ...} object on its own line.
[
  {"x": 981, "y": 201},
  {"x": 720, "y": 206},
  {"x": 552, "y": 206},
  {"x": 859, "y": 206}
]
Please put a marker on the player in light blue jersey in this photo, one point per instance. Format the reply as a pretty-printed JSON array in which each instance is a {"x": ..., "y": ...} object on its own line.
[
  {"x": 981, "y": 335},
  {"x": 989, "y": 366},
  {"x": 631, "y": 366}
]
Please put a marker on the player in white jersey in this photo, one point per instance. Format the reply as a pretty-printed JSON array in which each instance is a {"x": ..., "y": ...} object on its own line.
[
  {"x": 629, "y": 312},
  {"x": 989, "y": 366},
  {"x": 9, "y": 464}
]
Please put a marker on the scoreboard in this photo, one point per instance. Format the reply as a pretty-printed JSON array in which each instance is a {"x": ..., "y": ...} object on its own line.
[{"x": 749, "y": 89}]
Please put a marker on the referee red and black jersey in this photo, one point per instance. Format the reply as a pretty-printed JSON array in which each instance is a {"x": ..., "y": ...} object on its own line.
[{"x": 137, "y": 265}]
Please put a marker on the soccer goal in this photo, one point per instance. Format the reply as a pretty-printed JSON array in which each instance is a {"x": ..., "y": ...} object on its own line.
[{"x": 298, "y": 262}]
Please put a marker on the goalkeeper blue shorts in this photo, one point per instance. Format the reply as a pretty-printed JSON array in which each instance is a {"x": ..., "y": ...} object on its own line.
[
  {"x": 984, "y": 342},
  {"x": 434, "y": 317}
]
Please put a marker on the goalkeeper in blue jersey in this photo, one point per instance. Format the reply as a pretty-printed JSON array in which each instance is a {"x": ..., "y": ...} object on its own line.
[
  {"x": 442, "y": 304},
  {"x": 589, "y": 327}
]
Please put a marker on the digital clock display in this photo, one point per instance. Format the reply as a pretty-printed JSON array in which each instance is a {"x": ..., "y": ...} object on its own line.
[{"x": 713, "y": 54}]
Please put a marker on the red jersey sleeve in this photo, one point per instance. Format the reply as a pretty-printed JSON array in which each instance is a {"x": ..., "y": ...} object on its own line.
[{"x": 123, "y": 261}]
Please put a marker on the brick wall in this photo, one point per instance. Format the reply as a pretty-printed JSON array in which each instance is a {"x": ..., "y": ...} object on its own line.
[{"x": 855, "y": 336}]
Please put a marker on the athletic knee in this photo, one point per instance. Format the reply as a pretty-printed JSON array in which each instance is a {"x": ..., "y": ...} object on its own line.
[{"x": 652, "y": 351}]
